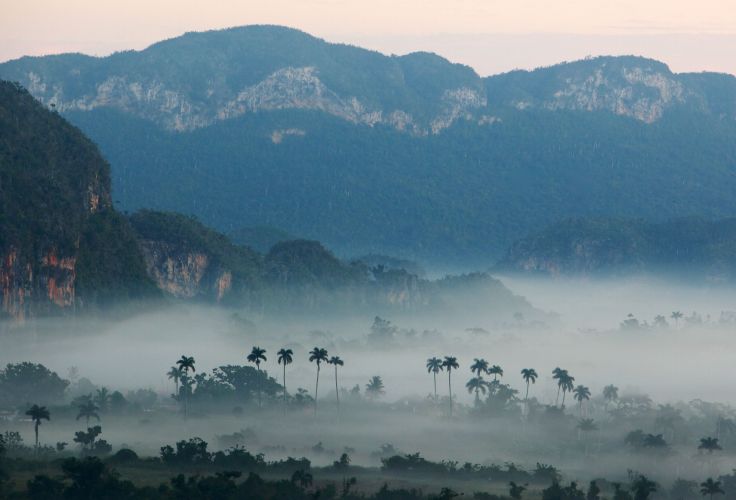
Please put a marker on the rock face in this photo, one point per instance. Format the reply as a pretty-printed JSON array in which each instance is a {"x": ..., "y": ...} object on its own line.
[
  {"x": 202, "y": 78},
  {"x": 405, "y": 155},
  {"x": 185, "y": 274},
  {"x": 54, "y": 187},
  {"x": 696, "y": 248},
  {"x": 199, "y": 79}
]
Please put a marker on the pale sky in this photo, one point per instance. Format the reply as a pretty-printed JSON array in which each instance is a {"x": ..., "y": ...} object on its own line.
[{"x": 490, "y": 35}]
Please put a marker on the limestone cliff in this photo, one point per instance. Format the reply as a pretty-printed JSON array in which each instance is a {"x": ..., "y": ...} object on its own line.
[
  {"x": 186, "y": 274},
  {"x": 54, "y": 187}
]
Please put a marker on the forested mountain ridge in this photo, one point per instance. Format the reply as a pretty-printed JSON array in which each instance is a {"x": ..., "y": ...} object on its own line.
[
  {"x": 61, "y": 242},
  {"x": 197, "y": 79},
  {"x": 189, "y": 261},
  {"x": 692, "y": 247},
  {"x": 409, "y": 156},
  {"x": 64, "y": 248}
]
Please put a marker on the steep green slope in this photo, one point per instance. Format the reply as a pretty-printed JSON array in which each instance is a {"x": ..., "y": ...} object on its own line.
[
  {"x": 411, "y": 156},
  {"x": 59, "y": 236},
  {"x": 692, "y": 247},
  {"x": 459, "y": 197}
]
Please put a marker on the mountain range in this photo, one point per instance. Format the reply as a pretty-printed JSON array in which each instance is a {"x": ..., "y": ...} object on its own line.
[
  {"x": 411, "y": 156},
  {"x": 64, "y": 248},
  {"x": 695, "y": 249}
]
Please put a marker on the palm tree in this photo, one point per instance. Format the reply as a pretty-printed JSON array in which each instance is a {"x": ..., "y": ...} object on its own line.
[
  {"x": 643, "y": 487},
  {"x": 557, "y": 374},
  {"x": 586, "y": 425},
  {"x": 566, "y": 382},
  {"x": 582, "y": 393},
  {"x": 285, "y": 357},
  {"x": 479, "y": 367},
  {"x": 317, "y": 355},
  {"x": 335, "y": 360},
  {"x": 434, "y": 366},
  {"x": 38, "y": 413},
  {"x": 610, "y": 393},
  {"x": 185, "y": 364},
  {"x": 88, "y": 409},
  {"x": 477, "y": 384},
  {"x": 256, "y": 356},
  {"x": 175, "y": 374},
  {"x": 302, "y": 477},
  {"x": 529, "y": 375},
  {"x": 102, "y": 399},
  {"x": 676, "y": 315},
  {"x": 496, "y": 371},
  {"x": 710, "y": 488},
  {"x": 450, "y": 362},
  {"x": 374, "y": 387},
  {"x": 709, "y": 444}
]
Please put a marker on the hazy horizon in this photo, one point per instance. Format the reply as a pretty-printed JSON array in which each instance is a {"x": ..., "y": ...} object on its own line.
[{"x": 490, "y": 37}]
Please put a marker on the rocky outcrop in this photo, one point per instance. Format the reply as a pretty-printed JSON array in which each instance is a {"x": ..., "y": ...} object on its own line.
[
  {"x": 185, "y": 274},
  {"x": 199, "y": 79},
  {"x": 57, "y": 216},
  {"x": 287, "y": 88},
  {"x": 641, "y": 92}
]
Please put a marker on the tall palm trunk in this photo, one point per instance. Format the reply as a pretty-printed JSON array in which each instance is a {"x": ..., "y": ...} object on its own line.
[
  {"x": 526, "y": 396},
  {"x": 284, "y": 386},
  {"x": 434, "y": 374},
  {"x": 316, "y": 390},
  {"x": 449, "y": 384},
  {"x": 563, "y": 398},
  {"x": 337, "y": 392},
  {"x": 36, "y": 429},
  {"x": 258, "y": 367},
  {"x": 557, "y": 399}
]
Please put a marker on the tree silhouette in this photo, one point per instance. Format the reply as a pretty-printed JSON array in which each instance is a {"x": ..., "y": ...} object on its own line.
[
  {"x": 557, "y": 374},
  {"x": 586, "y": 425},
  {"x": 496, "y": 371},
  {"x": 256, "y": 356},
  {"x": 478, "y": 385},
  {"x": 186, "y": 363},
  {"x": 610, "y": 393},
  {"x": 479, "y": 367},
  {"x": 317, "y": 355},
  {"x": 450, "y": 362},
  {"x": 529, "y": 375},
  {"x": 374, "y": 387},
  {"x": 709, "y": 444},
  {"x": 516, "y": 490},
  {"x": 567, "y": 383},
  {"x": 676, "y": 315},
  {"x": 582, "y": 393},
  {"x": 87, "y": 409},
  {"x": 710, "y": 487},
  {"x": 285, "y": 357},
  {"x": 336, "y": 361},
  {"x": 38, "y": 413},
  {"x": 303, "y": 478},
  {"x": 102, "y": 399},
  {"x": 642, "y": 487},
  {"x": 175, "y": 374},
  {"x": 434, "y": 366}
]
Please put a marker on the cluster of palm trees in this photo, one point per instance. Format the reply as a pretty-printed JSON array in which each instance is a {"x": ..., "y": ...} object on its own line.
[
  {"x": 480, "y": 386},
  {"x": 285, "y": 356},
  {"x": 436, "y": 365}
]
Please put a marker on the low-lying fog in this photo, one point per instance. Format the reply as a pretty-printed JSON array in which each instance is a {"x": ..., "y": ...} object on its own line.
[
  {"x": 585, "y": 338},
  {"x": 673, "y": 364}
]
